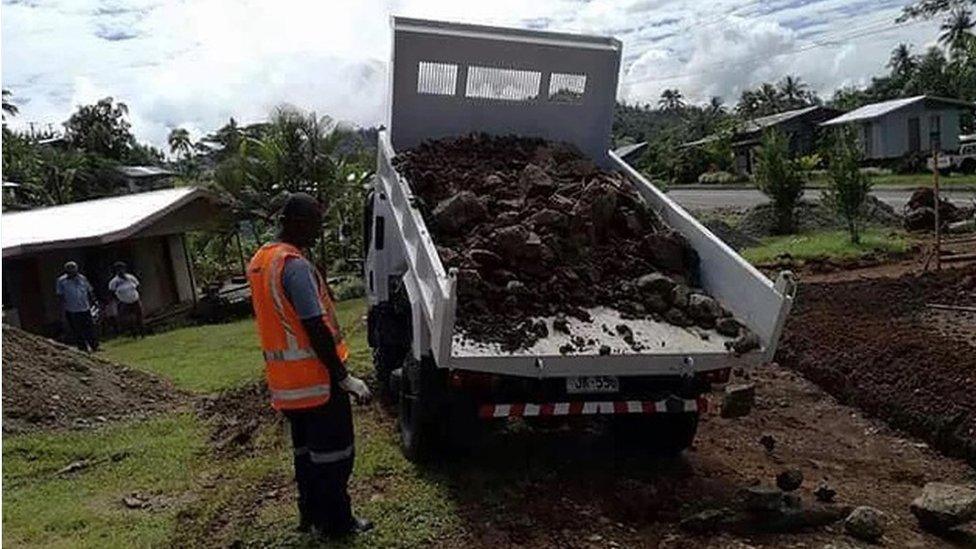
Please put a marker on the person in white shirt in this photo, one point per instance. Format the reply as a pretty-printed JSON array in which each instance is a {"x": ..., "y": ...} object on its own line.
[{"x": 125, "y": 290}]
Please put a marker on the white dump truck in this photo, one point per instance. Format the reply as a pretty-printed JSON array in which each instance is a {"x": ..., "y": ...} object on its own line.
[{"x": 452, "y": 79}]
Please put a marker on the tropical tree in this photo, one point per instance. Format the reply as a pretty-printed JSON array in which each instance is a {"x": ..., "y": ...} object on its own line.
[
  {"x": 101, "y": 129},
  {"x": 926, "y": 9},
  {"x": 180, "y": 143},
  {"x": 297, "y": 152},
  {"x": 957, "y": 31},
  {"x": 780, "y": 178},
  {"x": 671, "y": 100},
  {"x": 8, "y": 106},
  {"x": 794, "y": 91},
  {"x": 901, "y": 62},
  {"x": 847, "y": 187}
]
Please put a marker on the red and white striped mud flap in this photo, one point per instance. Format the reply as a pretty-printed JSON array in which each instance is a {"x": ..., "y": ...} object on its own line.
[{"x": 610, "y": 407}]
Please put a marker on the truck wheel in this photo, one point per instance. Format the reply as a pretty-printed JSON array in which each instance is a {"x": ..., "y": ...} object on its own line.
[
  {"x": 968, "y": 166},
  {"x": 418, "y": 429},
  {"x": 385, "y": 361}
]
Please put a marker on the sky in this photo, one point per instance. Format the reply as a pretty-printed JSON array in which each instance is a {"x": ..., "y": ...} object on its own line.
[{"x": 195, "y": 63}]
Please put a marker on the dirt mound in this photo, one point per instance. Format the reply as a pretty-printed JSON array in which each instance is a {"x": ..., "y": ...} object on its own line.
[
  {"x": 49, "y": 385},
  {"x": 868, "y": 342},
  {"x": 736, "y": 239},
  {"x": 237, "y": 418},
  {"x": 760, "y": 221},
  {"x": 537, "y": 230}
]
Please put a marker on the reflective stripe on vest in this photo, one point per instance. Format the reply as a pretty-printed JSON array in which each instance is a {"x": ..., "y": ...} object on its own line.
[
  {"x": 283, "y": 355},
  {"x": 299, "y": 394}
]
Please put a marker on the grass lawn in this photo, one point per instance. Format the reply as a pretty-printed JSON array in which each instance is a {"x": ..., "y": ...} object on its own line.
[
  {"x": 198, "y": 498},
  {"x": 154, "y": 458},
  {"x": 210, "y": 358},
  {"x": 826, "y": 244}
]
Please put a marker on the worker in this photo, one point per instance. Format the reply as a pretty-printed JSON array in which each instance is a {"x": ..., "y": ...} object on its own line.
[
  {"x": 76, "y": 295},
  {"x": 125, "y": 294},
  {"x": 304, "y": 355}
]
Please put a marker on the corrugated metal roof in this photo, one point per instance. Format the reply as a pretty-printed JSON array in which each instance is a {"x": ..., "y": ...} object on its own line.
[
  {"x": 144, "y": 171},
  {"x": 874, "y": 110},
  {"x": 763, "y": 122},
  {"x": 90, "y": 222}
]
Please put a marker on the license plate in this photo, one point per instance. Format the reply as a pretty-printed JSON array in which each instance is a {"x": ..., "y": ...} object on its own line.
[{"x": 592, "y": 384}]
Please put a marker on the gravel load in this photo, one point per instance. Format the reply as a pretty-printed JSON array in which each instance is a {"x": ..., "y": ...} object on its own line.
[{"x": 537, "y": 230}]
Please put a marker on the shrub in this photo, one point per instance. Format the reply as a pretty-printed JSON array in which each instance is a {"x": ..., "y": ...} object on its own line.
[
  {"x": 348, "y": 287},
  {"x": 717, "y": 178},
  {"x": 781, "y": 178},
  {"x": 873, "y": 171},
  {"x": 848, "y": 185}
]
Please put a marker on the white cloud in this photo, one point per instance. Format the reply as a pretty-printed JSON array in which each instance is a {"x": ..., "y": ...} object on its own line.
[{"x": 195, "y": 64}]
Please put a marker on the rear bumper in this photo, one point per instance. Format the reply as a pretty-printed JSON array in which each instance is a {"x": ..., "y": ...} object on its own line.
[{"x": 591, "y": 408}]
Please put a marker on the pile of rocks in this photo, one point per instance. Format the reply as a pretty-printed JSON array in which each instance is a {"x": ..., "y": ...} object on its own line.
[
  {"x": 536, "y": 230},
  {"x": 920, "y": 211}
]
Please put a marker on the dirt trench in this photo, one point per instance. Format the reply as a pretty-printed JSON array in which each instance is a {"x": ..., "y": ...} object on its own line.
[{"x": 875, "y": 344}]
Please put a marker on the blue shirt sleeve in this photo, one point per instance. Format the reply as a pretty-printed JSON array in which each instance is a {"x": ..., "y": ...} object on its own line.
[{"x": 301, "y": 288}]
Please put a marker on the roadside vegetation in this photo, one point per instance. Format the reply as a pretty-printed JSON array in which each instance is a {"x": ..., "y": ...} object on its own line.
[
  {"x": 829, "y": 245},
  {"x": 848, "y": 187}
]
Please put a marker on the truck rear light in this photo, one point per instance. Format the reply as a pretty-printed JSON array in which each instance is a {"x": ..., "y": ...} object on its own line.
[{"x": 715, "y": 376}]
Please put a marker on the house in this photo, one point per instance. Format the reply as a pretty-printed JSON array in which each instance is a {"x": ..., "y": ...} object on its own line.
[
  {"x": 145, "y": 178},
  {"x": 911, "y": 125},
  {"x": 802, "y": 126},
  {"x": 146, "y": 230}
]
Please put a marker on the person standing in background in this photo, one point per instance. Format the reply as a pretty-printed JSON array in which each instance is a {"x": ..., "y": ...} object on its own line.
[
  {"x": 125, "y": 291},
  {"x": 75, "y": 294}
]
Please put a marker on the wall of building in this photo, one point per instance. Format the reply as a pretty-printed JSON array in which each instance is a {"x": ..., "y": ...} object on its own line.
[
  {"x": 181, "y": 272},
  {"x": 894, "y": 135},
  {"x": 158, "y": 262}
]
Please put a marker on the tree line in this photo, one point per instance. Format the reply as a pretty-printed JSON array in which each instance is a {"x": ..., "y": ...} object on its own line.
[{"x": 947, "y": 69}]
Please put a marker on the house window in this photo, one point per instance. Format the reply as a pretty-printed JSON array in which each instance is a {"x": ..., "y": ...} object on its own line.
[
  {"x": 436, "y": 78},
  {"x": 505, "y": 84},
  {"x": 567, "y": 88}
]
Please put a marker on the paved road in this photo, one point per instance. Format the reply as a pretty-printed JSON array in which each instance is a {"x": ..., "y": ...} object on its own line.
[{"x": 706, "y": 199}]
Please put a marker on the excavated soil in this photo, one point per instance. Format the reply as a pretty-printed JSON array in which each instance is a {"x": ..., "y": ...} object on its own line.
[
  {"x": 49, "y": 385},
  {"x": 239, "y": 419},
  {"x": 875, "y": 344},
  {"x": 536, "y": 230}
]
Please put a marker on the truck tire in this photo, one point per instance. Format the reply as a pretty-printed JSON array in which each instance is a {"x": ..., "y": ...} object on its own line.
[
  {"x": 968, "y": 166},
  {"x": 385, "y": 361},
  {"x": 664, "y": 435},
  {"x": 419, "y": 399}
]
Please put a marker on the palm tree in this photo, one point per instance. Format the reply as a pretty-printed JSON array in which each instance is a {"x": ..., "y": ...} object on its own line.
[
  {"x": 770, "y": 99},
  {"x": 180, "y": 143},
  {"x": 901, "y": 61},
  {"x": 794, "y": 91},
  {"x": 957, "y": 31},
  {"x": 8, "y": 106},
  {"x": 671, "y": 100}
]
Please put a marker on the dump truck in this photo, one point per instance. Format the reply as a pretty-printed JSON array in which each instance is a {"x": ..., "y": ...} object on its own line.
[{"x": 450, "y": 79}]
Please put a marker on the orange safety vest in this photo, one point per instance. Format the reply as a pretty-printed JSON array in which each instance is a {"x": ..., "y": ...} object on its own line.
[{"x": 296, "y": 377}]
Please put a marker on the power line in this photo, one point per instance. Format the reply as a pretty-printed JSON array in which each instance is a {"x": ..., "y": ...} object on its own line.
[{"x": 831, "y": 39}]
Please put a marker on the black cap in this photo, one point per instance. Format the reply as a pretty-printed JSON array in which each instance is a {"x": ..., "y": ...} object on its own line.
[{"x": 301, "y": 206}]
